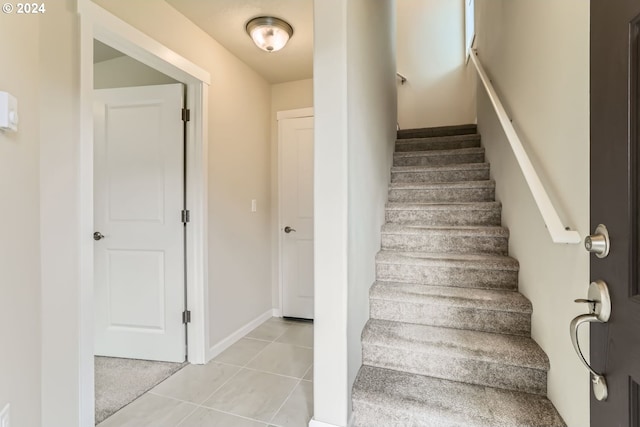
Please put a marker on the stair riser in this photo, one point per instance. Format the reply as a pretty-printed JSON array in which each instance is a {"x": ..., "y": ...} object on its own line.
[
  {"x": 442, "y": 195},
  {"x": 447, "y": 276},
  {"x": 403, "y": 146},
  {"x": 436, "y": 132},
  {"x": 437, "y": 160},
  {"x": 444, "y": 217},
  {"x": 503, "y": 322},
  {"x": 442, "y": 243},
  {"x": 441, "y": 176},
  {"x": 451, "y": 367},
  {"x": 370, "y": 415}
]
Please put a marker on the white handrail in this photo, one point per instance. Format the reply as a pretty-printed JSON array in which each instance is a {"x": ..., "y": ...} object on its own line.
[
  {"x": 558, "y": 232},
  {"x": 403, "y": 78}
]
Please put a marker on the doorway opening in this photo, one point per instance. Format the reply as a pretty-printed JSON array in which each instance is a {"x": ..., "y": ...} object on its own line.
[
  {"x": 140, "y": 286},
  {"x": 98, "y": 25}
]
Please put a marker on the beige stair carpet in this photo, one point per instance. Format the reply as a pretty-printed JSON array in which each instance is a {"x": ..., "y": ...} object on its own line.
[{"x": 448, "y": 342}]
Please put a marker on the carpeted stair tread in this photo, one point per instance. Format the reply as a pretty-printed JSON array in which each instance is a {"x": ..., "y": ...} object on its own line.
[
  {"x": 439, "y": 157},
  {"x": 497, "y": 360},
  {"x": 387, "y": 398},
  {"x": 444, "y": 213},
  {"x": 437, "y": 142},
  {"x": 487, "y": 299},
  {"x": 438, "y": 131},
  {"x": 464, "y": 230},
  {"x": 456, "y": 343},
  {"x": 476, "y": 261},
  {"x": 441, "y": 173},
  {"x": 486, "y": 271},
  {"x": 445, "y": 239},
  {"x": 448, "y": 206},
  {"x": 486, "y": 310},
  {"x": 453, "y": 167},
  {"x": 443, "y": 192},
  {"x": 489, "y": 183}
]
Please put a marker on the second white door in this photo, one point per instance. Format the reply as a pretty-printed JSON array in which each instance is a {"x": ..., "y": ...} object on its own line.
[
  {"x": 296, "y": 216},
  {"x": 138, "y": 199}
]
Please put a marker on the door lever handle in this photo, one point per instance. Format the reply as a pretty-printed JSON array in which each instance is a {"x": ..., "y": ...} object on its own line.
[
  {"x": 599, "y": 311},
  {"x": 599, "y": 383},
  {"x": 288, "y": 229},
  {"x": 98, "y": 236}
]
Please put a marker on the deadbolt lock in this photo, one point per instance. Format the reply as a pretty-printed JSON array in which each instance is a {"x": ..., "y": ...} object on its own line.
[{"x": 598, "y": 243}]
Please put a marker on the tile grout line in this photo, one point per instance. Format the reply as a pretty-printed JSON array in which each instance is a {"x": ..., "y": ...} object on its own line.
[
  {"x": 284, "y": 402},
  {"x": 235, "y": 374},
  {"x": 201, "y": 405},
  {"x": 240, "y": 368}
]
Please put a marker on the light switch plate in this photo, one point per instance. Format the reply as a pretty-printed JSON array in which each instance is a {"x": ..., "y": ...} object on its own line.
[
  {"x": 8, "y": 115},
  {"x": 5, "y": 417}
]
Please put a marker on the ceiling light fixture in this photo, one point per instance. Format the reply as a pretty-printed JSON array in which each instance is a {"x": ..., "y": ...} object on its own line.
[{"x": 268, "y": 33}]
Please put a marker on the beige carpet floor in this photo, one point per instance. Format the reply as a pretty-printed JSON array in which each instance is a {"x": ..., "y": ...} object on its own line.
[{"x": 119, "y": 382}]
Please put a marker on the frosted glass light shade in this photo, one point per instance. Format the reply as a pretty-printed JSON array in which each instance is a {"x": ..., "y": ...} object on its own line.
[{"x": 268, "y": 33}]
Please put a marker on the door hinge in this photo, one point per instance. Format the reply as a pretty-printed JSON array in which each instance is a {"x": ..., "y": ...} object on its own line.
[
  {"x": 186, "y": 317},
  {"x": 186, "y": 216},
  {"x": 186, "y": 114}
]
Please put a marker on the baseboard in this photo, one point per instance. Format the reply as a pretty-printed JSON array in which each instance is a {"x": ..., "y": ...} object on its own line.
[
  {"x": 277, "y": 312},
  {"x": 314, "y": 423},
  {"x": 231, "y": 339}
]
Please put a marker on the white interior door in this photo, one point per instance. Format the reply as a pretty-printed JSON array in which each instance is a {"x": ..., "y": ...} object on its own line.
[
  {"x": 138, "y": 199},
  {"x": 296, "y": 216}
]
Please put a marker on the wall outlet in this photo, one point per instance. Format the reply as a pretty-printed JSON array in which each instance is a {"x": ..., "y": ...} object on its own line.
[
  {"x": 254, "y": 208},
  {"x": 5, "y": 416}
]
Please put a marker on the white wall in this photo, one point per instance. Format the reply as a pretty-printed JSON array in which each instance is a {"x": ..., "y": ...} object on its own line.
[
  {"x": 20, "y": 329},
  {"x": 355, "y": 109},
  {"x": 59, "y": 211},
  {"x": 537, "y": 54},
  {"x": 372, "y": 107},
  {"x": 125, "y": 71},
  {"x": 430, "y": 52},
  {"x": 330, "y": 390},
  {"x": 239, "y": 166},
  {"x": 284, "y": 96}
]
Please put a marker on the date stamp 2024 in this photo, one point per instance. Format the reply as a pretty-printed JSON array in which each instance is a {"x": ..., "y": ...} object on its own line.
[{"x": 24, "y": 8}]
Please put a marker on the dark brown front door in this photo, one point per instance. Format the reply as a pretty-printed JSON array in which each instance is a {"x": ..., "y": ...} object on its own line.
[{"x": 615, "y": 193}]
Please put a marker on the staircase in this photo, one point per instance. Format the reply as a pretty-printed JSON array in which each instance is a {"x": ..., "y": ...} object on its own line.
[{"x": 448, "y": 341}]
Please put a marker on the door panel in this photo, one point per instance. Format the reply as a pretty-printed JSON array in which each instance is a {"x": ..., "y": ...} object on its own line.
[
  {"x": 296, "y": 211},
  {"x": 138, "y": 199},
  {"x": 615, "y": 345}
]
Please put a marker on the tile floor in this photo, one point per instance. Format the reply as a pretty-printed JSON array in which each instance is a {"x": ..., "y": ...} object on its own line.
[{"x": 263, "y": 380}]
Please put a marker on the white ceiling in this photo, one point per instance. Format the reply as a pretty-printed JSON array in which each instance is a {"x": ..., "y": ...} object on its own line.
[{"x": 225, "y": 21}]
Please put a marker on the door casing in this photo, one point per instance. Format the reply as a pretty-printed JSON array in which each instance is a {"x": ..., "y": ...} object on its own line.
[
  {"x": 281, "y": 115},
  {"x": 96, "y": 23}
]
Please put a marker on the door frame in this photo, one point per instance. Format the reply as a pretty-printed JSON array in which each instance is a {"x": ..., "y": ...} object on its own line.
[
  {"x": 282, "y": 115},
  {"x": 97, "y": 23}
]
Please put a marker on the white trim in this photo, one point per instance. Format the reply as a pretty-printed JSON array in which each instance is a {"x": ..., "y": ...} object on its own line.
[
  {"x": 134, "y": 43},
  {"x": 97, "y": 23},
  {"x": 557, "y": 230},
  {"x": 283, "y": 115},
  {"x": 295, "y": 114},
  {"x": 277, "y": 312},
  {"x": 232, "y": 338},
  {"x": 314, "y": 423}
]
